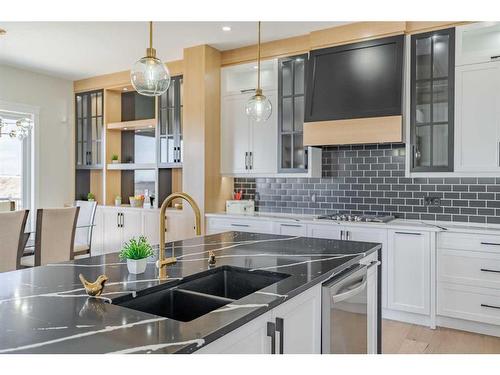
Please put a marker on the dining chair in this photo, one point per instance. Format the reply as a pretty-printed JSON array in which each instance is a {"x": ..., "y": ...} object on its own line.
[
  {"x": 7, "y": 206},
  {"x": 54, "y": 236},
  {"x": 12, "y": 226},
  {"x": 85, "y": 226}
]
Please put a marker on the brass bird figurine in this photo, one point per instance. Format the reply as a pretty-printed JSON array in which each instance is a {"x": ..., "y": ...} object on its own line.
[{"x": 94, "y": 289}]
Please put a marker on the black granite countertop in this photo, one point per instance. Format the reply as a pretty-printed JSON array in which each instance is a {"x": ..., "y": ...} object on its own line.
[{"x": 45, "y": 309}]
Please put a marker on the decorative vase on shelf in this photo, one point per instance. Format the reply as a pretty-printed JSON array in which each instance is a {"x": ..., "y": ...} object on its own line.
[
  {"x": 115, "y": 161},
  {"x": 118, "y": 201},
  {"x": 137, "y": 266}
]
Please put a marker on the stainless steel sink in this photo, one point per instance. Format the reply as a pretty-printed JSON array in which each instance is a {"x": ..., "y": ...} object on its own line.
[{"x": 200, "y": 294}]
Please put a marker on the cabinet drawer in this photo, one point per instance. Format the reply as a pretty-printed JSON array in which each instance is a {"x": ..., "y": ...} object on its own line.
[
  {"x": 242, "y": 225},
  {"x": 470, "y": 303},
  {"x": 470, "y": 268},
  {"x": 473, "y": 242},
  {"x": 291, "y": 229}
]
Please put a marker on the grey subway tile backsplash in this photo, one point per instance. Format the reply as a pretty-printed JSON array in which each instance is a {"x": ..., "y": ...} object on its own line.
[{"x": 369, "y": 179}]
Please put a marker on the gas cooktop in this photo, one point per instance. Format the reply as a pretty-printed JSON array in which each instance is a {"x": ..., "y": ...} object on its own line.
[{"x": 362, "y": 218}]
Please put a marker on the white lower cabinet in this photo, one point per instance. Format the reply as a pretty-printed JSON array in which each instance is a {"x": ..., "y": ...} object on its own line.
[
  {"x": 219, "y": 225},
  {"x": 119, "y": 226},
  {"x": 326, "y": 231},
  {"x": 97, "y": 247},
  {"x": 409, "y": 271},
  {"x": 294, "y": 327},
  {"x": 114, "y": 226},
  {"x": 251, "y": 338},
  {"x": 468, "y": 280}
]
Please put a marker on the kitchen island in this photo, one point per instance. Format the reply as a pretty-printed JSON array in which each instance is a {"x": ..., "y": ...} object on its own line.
[{"x": 45, "y": 309}]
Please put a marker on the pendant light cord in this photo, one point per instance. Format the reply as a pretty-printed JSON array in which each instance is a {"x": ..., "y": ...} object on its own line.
[
  {"x": 258, "y": 60},
  {"x": 151, "y": 35}
]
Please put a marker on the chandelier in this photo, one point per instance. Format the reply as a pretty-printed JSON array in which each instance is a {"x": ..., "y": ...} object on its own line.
[{"x": 21, "y": 130}]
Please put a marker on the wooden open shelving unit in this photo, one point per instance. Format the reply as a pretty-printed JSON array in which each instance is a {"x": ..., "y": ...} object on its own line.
[{"x": 106, "y": 180}]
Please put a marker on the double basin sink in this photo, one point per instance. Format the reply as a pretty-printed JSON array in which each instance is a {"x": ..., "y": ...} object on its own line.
[{"x": 200, "y": 294}]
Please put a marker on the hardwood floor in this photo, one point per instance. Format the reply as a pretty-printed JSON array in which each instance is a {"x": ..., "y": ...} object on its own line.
[{"x": 403, "y": 338}]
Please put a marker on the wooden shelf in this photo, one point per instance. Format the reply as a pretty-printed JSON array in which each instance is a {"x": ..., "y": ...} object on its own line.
[
  {"x": 133, "y": 125},
  {"x": 130, "y": 166},
  {"x": 88, "y": 167}
]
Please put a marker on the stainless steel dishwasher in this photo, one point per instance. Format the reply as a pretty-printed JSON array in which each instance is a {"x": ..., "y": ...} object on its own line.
[{"x": 347, "y": 311}]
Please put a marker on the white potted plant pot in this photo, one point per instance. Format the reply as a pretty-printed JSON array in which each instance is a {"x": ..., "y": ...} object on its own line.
[{"x": 137, "y": 266}]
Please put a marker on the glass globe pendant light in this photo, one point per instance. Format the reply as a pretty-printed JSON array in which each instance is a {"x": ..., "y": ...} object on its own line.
[
  {"x": 149, "y": 76},
  {"x": 258, "y": 107}
]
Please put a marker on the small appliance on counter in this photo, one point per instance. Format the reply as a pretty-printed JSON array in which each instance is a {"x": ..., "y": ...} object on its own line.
[{"x": 240, "y": 206}]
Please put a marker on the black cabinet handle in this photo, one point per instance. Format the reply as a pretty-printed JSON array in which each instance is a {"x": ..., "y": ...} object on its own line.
[
  {"x": 490, "y": 306},
  {"x": 410, "y": 233},
  {"x": 240, "y": 225},
  {"x": 280, "y": 327},
  {"x": 118, "y": 220},
  {"x": 488, "y": 270},
  {"x": 246, "y": 160},
  {"x": 495, "y": 57},
  {"x": 247, "y": 90},
  {"x": 271, "y": 332},
  {"x": 291, "y": 225},
  {"x": 341, "y": 234},
  {"x": 250, "y": 160},
  {"x": 490, "y": 243}
]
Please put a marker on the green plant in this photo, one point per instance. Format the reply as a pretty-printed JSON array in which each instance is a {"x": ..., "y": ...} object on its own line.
[
  {"x": 136, "y": 249},
  {"x": 114, "y": 157},
  {"x": 90, "y": 196}
]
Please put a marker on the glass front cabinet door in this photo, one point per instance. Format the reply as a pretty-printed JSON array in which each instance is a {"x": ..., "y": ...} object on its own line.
[
  {"x": 89, "y": 129},
  {"x": 292, "y": 153},
  {"x": 432, "y": 98},
  {"x": 170, "y": 124}
]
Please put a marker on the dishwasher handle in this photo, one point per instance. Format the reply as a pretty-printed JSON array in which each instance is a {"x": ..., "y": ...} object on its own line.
[{"x": 353, "y": 290}]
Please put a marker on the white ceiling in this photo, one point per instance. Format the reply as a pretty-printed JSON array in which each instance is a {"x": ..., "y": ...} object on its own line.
[{"x": 76, "y": 50}]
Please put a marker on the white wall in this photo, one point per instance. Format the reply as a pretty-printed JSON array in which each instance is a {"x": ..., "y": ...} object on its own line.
[{"x": 54, "y": 133}]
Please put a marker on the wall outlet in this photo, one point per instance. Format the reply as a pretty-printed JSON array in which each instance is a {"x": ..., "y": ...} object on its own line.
[{"x": 432, "y": 201}]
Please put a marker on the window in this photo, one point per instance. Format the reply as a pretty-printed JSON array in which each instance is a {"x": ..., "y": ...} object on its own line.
[
  {"x": 432, "y": 97},
  {"x": 292, "y": 153},
  {"x": 15, "y": 163}
]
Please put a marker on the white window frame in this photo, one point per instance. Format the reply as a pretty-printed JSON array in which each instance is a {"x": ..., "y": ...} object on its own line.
[{"x": 30, "y": 167}]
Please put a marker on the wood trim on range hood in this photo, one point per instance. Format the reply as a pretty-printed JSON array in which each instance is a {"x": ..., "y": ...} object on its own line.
[{"x": 386, "y": 129}]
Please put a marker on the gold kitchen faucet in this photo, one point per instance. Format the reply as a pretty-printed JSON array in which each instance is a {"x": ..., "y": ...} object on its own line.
[{"x": 163, "y": 262}]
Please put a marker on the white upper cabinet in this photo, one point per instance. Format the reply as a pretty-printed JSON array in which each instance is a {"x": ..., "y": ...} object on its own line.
[
  {"x": 242, "y": 78},
  {"x": 247, "y": 147},
  {"x": 250, "y": 148},
  {"x": 477, "y": 43},
  {"x": 477, "y": 117},
  {"x": 235, "y": 134}
]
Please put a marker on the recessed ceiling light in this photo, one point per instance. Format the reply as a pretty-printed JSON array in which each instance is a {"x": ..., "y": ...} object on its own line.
[
  {"x": 226, "y": 28},
  {"x": 125, "y": 89},
  {"x": 3, "y": 32}
]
